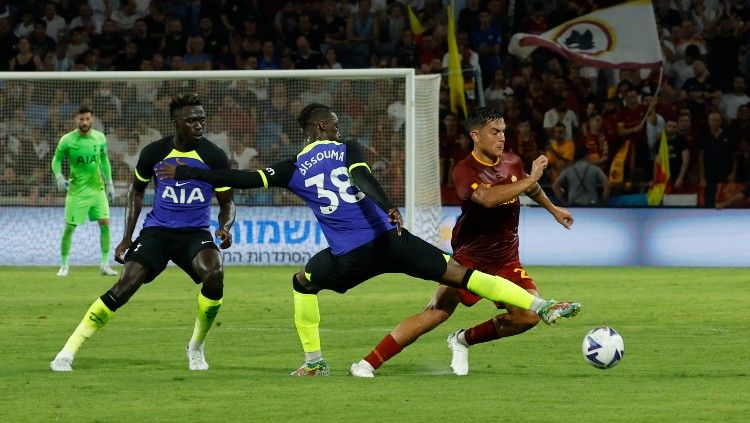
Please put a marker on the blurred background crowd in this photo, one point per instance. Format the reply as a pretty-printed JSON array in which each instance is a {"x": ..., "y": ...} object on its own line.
[{"x": 580, "y": 117}]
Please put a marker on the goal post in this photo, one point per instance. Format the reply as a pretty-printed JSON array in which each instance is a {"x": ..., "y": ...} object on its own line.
[{"x": 393, "y": 113}]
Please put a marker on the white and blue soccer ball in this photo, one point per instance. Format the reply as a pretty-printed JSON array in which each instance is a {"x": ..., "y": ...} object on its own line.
[{"x": 603, "y": 347}]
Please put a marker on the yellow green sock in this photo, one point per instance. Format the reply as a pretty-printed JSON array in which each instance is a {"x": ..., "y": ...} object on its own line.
[
  {"x": 96, "y": 316},
  {"x": 207, "y": 311},
  {"x": 65, "y": 242},
  {"x": 307, "y": 321},
  {"x": 499, "y": 289},
  {"x": 104, "y": 244}
]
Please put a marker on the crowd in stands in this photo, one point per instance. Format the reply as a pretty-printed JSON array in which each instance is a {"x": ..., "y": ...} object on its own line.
[{"x": 610, "y": 119}]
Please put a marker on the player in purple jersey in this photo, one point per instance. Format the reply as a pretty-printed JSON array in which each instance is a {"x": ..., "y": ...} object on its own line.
[
  {"x": 362, "y": 227},
  {"x": 175, "y": 229}
]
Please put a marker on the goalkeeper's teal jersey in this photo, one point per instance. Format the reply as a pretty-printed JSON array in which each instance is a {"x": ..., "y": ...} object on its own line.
[{"x": 89, "y": 164}]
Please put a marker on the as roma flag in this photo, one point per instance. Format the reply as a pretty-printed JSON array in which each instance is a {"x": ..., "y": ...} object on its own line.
[{"x": 618, "y": 37}]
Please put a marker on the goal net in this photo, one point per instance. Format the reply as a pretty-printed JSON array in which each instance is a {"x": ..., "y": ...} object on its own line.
[{"x": 250, "y": 114}]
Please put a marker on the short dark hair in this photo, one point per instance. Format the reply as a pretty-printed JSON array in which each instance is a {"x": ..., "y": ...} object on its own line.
[
  {"x": 305, "y": 115},
  {"x": 84, "y": 109},
  {"x": 580, "y": 152},
  {"x": 182, "y": 100},
  {"x": 480, "y": 117}
]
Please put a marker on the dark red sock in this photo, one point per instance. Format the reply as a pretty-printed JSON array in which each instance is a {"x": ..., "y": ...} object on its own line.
[
  {"x": 483, "y": 332},
  {"x": 386, "y": 349}
]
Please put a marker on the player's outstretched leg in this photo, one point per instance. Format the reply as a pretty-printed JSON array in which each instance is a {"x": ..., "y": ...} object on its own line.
[
  {"x": 501, "y": 290},
  {"x": 95, "y": 318},
  {"x": 65, "y": 243},
  {"x": 553, "y": 310}
]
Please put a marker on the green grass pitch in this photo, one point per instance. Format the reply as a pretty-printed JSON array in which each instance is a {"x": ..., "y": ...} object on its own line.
[{"x": 685, "y": 330}]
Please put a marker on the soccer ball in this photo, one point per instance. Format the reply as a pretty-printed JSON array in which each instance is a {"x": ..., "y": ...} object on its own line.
[{"x": 603, "y": 347}]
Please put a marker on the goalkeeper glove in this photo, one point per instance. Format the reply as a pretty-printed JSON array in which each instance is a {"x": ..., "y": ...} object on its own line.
[
  {"x": 110, "y": 191},
  {"x": 62, "y": 183}
]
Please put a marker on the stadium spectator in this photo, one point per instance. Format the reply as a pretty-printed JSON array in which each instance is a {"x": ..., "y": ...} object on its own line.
[
  {"x": 56, "y": 25},
  {"x": 130, "y": 60},
  {"x": 306, "y": 28},
  {"x": 174, "y": 42},
  {"x": 59, "y": 59},
  {"x": 362, "y": 30},
  {"x": 561, "y": 114},
  {"x": 241, "y": 154},
  {"x": 595, "y": 142},
  {"x": 8, "y": 43},
  {"x": 682, "y": 69},
  {"x": 666, "y": 16},
  {"x": 25, "y": 60},
  {"x": 141, "y": 37},
  {"x": 130, "y": 155},
  {"x": 536, "y": 23},
  {"x": 717, "y": 159},
  {"x": 9, "y": 182},
  {"x": 579, "y": 184},
  {"x": 331, "y": 27},
  {"x": 679, "y": 157},
  {"x": 26, "y": 26},
  {"x": 449, "y": 134},
  {"x": 739, "y": 130},
  {"x": 330, "y": 60},
  {"x": 214, "y": 40},
  {"x": 687, "y": 35},
  {"x": 560, "y": 151},
  {"x": 125, "y": 17},
  {"x": 67, "y": 9},
  {"x": 724, "y": 34},
  {"x": 305, "y": 57},
  {"x": 730, "y": 102},
  {"x": 524, "y": 143},
  {"x": 668, "y": 106},
  {"x": 469, "y": 65},
  {"x": 268, "y": 58},
  {"x": 392, "y": 28},
  {"x": 76, "y": 45},
  {"x": 486, "y": 39},
  {"x": 156, "y": 21},
  {"x": 196, "y": 57},
  {"x": 91, "y": 24},
  {"x": 631, "y": 127},
  {"x": 109, "y": 43},
  {"x": 468, "y": 17},
  {"x": 738, "y": 197},
  {"x": 40, "y": 42}
]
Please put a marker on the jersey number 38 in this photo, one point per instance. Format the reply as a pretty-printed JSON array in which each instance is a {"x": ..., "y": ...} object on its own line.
[{"x": 340, "y": 179}]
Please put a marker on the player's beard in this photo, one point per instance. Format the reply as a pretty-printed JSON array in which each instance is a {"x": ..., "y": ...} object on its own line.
[{"x": 82, "y": 128}]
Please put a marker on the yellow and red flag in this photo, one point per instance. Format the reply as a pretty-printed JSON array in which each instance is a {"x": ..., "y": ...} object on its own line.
[
  {"x": 455, "y": 75},
  {"x": 661, "y": 172},
  {"x": 414, "y": 24},
  {"x": 617, "y": 168}
]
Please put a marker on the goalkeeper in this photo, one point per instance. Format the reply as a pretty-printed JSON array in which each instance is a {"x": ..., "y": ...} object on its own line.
[{"x": 89, "y": 186}]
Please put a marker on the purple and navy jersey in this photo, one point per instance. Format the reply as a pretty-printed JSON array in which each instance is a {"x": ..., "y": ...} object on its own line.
[
  {"x": 319, "y": 175},
  {"x": 180, "y": 204}
]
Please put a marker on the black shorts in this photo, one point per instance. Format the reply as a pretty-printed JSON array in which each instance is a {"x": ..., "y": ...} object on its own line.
[
  {"x": 389, "y": 253},
  {"x": 155, "y": 246}
]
